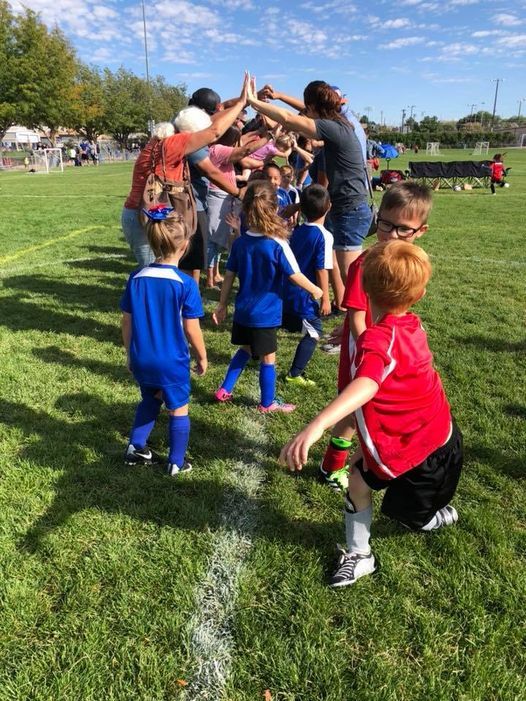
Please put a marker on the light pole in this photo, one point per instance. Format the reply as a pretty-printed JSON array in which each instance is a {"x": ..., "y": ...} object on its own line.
[
  {"x": 403, "y": 121},
  {"x": 471, "y": 110},
  {"x": 520, "y": 101},
  {"x": 497, "y": 81},
  {"x": 150, "y": 120}
]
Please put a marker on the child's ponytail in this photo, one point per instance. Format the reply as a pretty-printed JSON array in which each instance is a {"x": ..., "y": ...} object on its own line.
[
  {"x": 260, "y": 206},
  {"x": 166, "y": 236}
]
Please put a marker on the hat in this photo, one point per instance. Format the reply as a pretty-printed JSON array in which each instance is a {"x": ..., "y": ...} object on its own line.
[
  {"x": 206, "y": 99},
  {"x": 338, "y": 92}
]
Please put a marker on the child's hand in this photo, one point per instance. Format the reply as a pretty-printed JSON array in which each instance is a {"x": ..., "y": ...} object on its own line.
[
  {"x": 201, "y": 366},
  {"x": 336, "y": 335},
  {"x": 219, "y": 315},
  {"x": 233, "y": 221},
  {"x": 325, "y": 307},
  {"x": 317, "y": 293},
  {"x": 296, "y": 453}
]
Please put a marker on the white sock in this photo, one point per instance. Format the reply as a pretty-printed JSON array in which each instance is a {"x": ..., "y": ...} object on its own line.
[{"x": 357, "y": 528}]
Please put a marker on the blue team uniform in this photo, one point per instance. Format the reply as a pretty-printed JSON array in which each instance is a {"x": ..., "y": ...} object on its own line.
[
  {"x": 311, "y": 245},
  {"x": 262, "y": 264},
  {"x": 159, "y": 297}
]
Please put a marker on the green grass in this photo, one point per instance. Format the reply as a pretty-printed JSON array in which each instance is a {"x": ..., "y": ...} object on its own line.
[{"x": 102, "y": 566}]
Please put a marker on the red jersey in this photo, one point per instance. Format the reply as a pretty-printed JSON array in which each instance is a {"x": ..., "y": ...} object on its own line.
[
  {"x": 497, "y": 170},
  {"x": 354, "y": 298},
  {"x": 174, "y": 151},
  {"x": 409, "y": 417}
]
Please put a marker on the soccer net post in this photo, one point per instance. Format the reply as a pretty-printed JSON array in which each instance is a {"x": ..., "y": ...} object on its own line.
[
  {"x": 47, "y": 160},
  {"x": 433, "y": 148},
  {"x": 481, "y": 147}
]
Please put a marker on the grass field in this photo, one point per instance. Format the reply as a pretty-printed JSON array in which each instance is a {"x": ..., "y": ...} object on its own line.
[{"x": 123, "y": 584}]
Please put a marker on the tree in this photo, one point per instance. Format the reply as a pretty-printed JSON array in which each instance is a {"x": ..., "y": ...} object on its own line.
[
  {"x": 166, "y": 100},
  {"x": 126, "y": 99},
  {"x": 36, "y": 72},
  {"x": 89, "y": 116}
]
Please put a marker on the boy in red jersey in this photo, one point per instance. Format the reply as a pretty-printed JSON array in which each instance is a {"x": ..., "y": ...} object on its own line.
[
  {"x": 498, "y": 173},
  {"x": 403, "y": 215},
  {"x": 409, "y": 443}
]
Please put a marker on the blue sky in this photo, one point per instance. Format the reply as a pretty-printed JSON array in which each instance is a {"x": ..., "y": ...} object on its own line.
[{"x": 386, "y": 55}]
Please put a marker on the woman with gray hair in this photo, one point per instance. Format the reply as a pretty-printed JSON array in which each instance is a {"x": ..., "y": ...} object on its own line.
[{"x": 175, "y": 148}]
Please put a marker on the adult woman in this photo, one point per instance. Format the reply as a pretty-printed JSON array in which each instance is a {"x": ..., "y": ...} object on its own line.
[
  {"x": 175, "y": 148},
  {"x": 323, "y": 119}
]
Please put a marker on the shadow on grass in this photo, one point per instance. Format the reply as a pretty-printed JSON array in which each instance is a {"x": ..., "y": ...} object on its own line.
[
  {"x": 73, "y": 295},
  {"x": 511, "y": 466},
  {"x": 20, "y": 315},
  {"x": 495, "y": 345},
  {"x": 191, "y": 502}
]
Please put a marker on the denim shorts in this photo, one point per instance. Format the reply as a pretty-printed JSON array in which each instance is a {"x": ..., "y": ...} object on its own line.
[
  {"x": 135, "y": 235},
  {"x": 350, "y": 227}
]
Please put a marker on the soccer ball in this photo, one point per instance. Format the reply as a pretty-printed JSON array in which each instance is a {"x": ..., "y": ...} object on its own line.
[
  {"x": 506, "y": 184},
  {"x": 457, "y": 188}
]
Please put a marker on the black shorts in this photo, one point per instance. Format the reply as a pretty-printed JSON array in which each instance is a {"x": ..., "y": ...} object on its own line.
[
  {"x": 414, "y": 497},
  {"x": 262, "y": 341},
  {"x": 194, "y": 258}
]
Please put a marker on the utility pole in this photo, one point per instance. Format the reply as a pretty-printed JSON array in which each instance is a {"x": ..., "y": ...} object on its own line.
[
  {"x": 496, "y": 81},
  {"x": 150, "y": 119},
  {"x": 521, "y": 100},
  {"x": 411, "y": 107},
  {"x": 471, "y": 110},
  {"x": 368, "y": 111},
  {"x": 403, "y": 121},
  {"x": 381, "y": 117}
]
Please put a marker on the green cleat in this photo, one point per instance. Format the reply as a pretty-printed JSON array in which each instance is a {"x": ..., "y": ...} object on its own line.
[
  {"x": 338, "y": 481},
  {"x": 300, "y": 381}
]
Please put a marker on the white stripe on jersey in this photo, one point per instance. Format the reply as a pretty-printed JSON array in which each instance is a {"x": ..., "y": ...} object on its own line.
[
  {"x": 329, "y": 242},
  {"x": 289, "y": 255},
  {"x": 166, "y": 273},
  {"x": 360, "y": 419}
]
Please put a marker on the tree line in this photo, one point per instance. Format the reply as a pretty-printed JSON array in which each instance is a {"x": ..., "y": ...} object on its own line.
[{"x": 44, "y": 85}]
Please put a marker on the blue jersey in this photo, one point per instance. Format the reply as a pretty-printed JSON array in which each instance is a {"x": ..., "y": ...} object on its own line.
[
  {"x": 311, "y": 245},
  {"x": 159, "y": 297},
  {"x": 262, "y": 265}
]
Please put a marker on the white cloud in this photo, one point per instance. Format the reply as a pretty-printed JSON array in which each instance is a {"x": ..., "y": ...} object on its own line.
[
  {"x": 398, "y": 23},
  {"x": 514, "y": 41},
  {"x": 486, "y": 33},
  {"x": 401, "y": 43},
  {"x": 238, "y": 4},
  {"x": 506, "y": 20},
  {"x": 306, "y": 32}
]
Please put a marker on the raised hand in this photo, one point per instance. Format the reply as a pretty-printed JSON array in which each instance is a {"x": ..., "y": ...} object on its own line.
[{"x": 245, "y": 88}]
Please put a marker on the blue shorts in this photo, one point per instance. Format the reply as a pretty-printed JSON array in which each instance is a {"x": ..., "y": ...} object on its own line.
[
  {"x": 174, "y": 396},
  {"x": 295, "y": 323},
  {"x": 350, "y": 227}
]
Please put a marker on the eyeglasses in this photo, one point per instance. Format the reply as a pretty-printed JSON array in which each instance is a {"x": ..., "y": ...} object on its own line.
[{"x": 403, "y": 232}]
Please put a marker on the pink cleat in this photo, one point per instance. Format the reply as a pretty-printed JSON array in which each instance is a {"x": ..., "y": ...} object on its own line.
[
  {"x": 277, "y": 405},
  {"x": 222, "y": 395}
]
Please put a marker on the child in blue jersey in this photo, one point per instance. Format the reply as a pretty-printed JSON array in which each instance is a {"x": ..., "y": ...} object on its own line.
[
  {"x": 161, "y": 308},
  {"x": 311, "y": 244},
  {"x": 262, "y": 260}
]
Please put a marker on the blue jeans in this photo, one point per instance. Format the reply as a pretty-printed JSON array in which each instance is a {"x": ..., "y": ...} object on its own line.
[
  {"x": 350, "y": 227},
  {"x": 135, "y": 235}
]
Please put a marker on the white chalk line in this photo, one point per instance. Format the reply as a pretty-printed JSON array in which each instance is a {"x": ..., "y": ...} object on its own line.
[
  {"x": 61, "y": 197},
  {"x": 210, "y": 629}
]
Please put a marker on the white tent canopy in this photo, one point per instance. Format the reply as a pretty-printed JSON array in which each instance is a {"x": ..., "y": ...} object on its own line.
[{"x": 18, "y": 136}]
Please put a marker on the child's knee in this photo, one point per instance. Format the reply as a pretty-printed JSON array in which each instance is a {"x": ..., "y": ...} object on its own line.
[{"x": 357, "y": 489}]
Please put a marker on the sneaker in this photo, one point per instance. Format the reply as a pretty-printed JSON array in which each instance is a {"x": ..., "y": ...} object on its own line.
[
  {"x": 337, "y": 480},
  {"x": 331, "y": 348},
  {"x": 300, "y": 381},
  {"x": 222, "y": 395},
  {"x": 447, "y": 516},
  {"x": 277, "y": 405},
  {"x": 140, "y": 456},
  {"x": 350, "y": 567},
  {"x": 173, "y": 470}
]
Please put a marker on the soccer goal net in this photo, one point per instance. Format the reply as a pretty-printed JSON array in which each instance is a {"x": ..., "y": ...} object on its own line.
[
  {"x": 433, "y": 148},
  {"x": 481, "y": 147},
  {"x": 47, "y": 160},
  {"x": 523, "y": 141}
]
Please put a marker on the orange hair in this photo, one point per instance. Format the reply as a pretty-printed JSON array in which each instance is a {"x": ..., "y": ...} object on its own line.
[{"x": 395, "y": 275}]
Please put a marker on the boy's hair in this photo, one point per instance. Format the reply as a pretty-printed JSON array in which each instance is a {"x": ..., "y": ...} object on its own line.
[
  {"x": 260, "y": 206},
  {"x": 314, "y": 202},
  {"x": 411, "y": 198},
  {"x": 270, "y": 164},
  {"x": 395, "y": 274},
  {"x": 286, "y": 169},
  {"x": 497, "y": 157},
  {"x": 167, "y": 236}
]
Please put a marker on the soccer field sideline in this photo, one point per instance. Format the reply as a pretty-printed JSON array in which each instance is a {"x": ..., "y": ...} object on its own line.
[{"x": 288, "y": 634}]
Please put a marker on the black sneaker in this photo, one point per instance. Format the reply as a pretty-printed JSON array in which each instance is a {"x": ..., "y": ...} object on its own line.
[
  {"x": 350, "y": 567},
  {"x": 173, "y": 470},
  {"x": 140, "y": 456}
]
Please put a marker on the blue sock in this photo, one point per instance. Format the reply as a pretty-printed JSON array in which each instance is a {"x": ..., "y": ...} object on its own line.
[
  {"x": 304, "y": 353},
  {"x": 267, "y": 383},
  {"x": 145, "y": 417},
  {"x": 178, "y": 435},
  {"x": 236, "y": 367}
]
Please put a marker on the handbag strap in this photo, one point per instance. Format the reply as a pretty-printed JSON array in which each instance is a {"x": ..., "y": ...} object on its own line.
[{"x": 369, "y": 187}]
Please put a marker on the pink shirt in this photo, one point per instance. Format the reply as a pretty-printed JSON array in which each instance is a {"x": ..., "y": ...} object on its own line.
[
  {"x": 220, "y": 157},
  {"x": 265, "y": 151}
]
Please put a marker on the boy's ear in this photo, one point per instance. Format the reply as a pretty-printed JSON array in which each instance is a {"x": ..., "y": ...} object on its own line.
[
  {"x": 422, "y": 294},
  {"x": 422, "y": 231}
]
